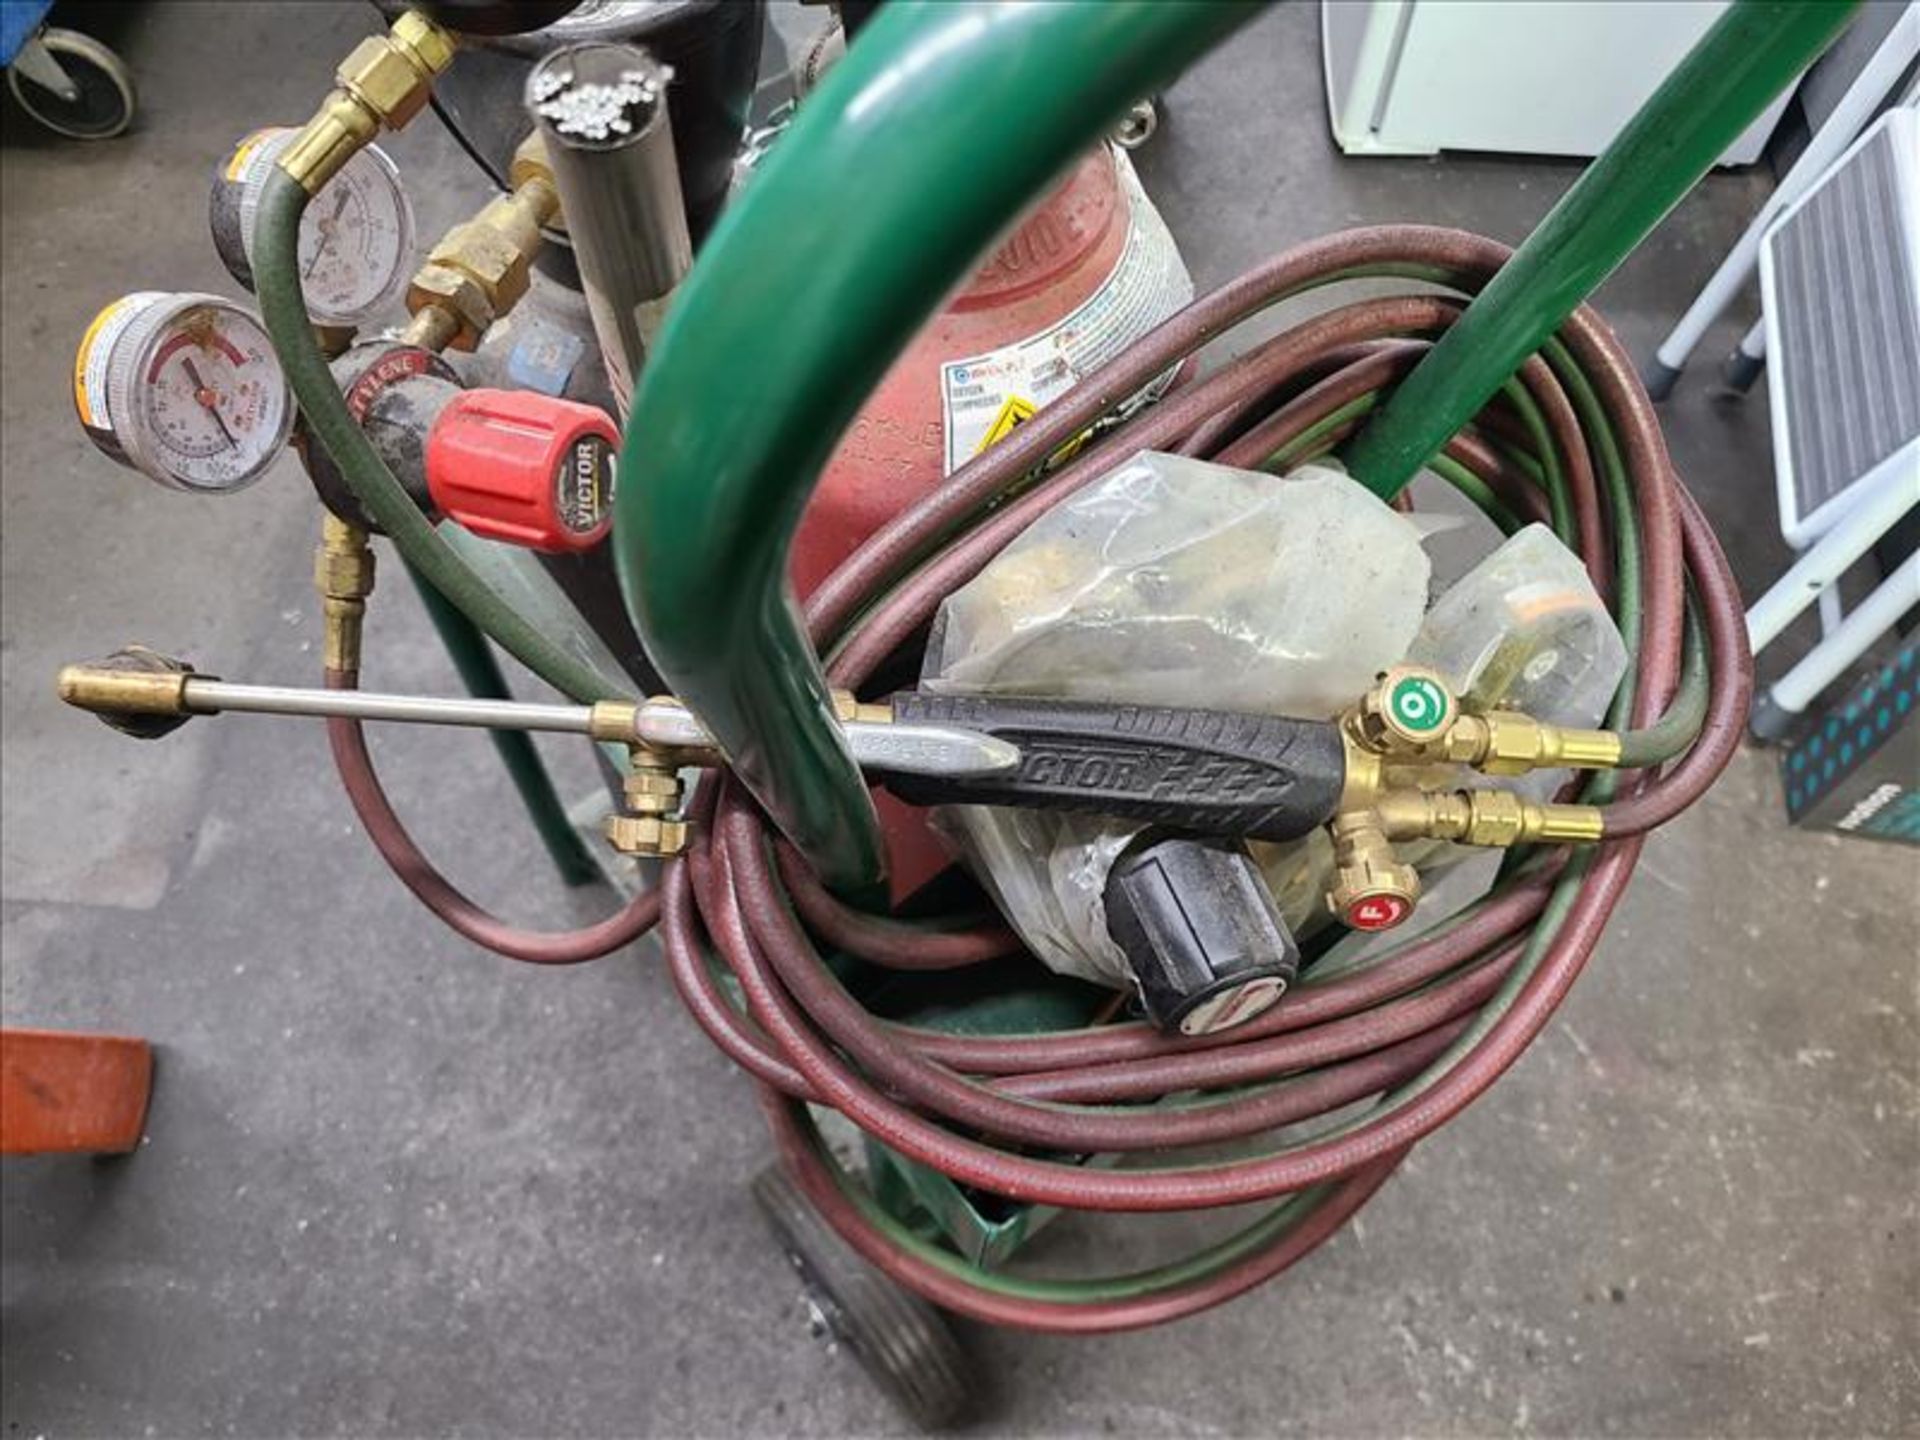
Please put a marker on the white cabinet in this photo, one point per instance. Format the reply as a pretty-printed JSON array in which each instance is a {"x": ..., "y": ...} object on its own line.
[{"x": 1529, "y": 77}]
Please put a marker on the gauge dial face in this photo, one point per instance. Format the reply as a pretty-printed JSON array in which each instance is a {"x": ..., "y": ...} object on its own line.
[
  {"x": 355, "y": 241},
  {"x": 210, "y": 402}
]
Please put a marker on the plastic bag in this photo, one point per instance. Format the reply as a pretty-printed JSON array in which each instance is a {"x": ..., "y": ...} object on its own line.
[
  {"x": 1169, "y": 582},
  {"x": 1525, "y": 629}
]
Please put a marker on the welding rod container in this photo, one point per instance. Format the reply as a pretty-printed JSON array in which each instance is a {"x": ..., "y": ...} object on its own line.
[{"x": 602, "y": 110}]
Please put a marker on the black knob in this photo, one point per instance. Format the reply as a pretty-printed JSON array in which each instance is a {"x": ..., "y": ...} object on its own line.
[{"x": 1201, "y": 933}]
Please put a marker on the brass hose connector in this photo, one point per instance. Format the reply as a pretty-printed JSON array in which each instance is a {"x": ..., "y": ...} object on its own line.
[
  {"x": 1505, "y": 742},
  {"x": 386, "y": 80},
  {"x": 651, "y": 823},
  {"x": 482, "y": 267},
  {"x": 343, "y": 569},
  {"x": 1495, "y": 818},
  {"x": 1411, "y": 716}
]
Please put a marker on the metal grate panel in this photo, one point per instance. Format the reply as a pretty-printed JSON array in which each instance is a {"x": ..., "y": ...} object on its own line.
[{"x": 1848, "y": 323}]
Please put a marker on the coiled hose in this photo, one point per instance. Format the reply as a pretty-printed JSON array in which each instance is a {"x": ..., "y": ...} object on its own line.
[
  {"x": 1418, "y": 1031},
  {"x": 1368, "y": 1057}
]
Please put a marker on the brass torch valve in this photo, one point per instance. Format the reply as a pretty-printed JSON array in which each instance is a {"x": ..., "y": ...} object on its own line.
[
  {"x": 1411, "y": 716},
  {"x": 1372, "y": 888},
  {"x": 481, "y": 268},
  {"x": 1409, "y": 720},
  {"x": 385, "y": 81}
]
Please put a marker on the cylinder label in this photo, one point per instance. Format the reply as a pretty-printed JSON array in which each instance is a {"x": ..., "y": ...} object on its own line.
[{"x": 984, "y": 397}]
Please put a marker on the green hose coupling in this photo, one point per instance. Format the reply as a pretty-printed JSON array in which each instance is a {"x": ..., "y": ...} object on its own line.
[{"x": 386, "y": 80}]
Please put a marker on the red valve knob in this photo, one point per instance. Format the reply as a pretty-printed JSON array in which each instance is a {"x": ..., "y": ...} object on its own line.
[{"x": 522, "y": 467}]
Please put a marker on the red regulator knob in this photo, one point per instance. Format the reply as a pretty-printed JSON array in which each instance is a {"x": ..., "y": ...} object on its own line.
[{"x": 525, "y": 468}]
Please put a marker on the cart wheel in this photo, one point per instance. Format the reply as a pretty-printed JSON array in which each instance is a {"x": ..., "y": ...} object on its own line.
[
  {"x": 102, "y": 104},
  {"x": 902, "y": 1342}
]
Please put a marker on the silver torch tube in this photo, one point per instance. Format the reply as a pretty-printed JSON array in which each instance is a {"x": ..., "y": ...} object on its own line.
[{"x": 602, "y": 110}]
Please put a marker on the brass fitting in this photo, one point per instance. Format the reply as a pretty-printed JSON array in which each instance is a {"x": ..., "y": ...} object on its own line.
[
  {"x": 343, "y": 574},
  {"x": 647, "y": 836},
  {"x": 482, "y": 267},
  {"x": 334, "y": 340},
  {"x": 386, "y": 80},
  {"x": 1411, "y": 716},
  {"x": 450, "y": 308},
  {"x": 133, "y": 681},
  {"x": 137, "y": 691},
  {"x": 1486, "y": 817},
  {"x": 1366, "y": 773},
  {"x": 1372, "y": 888},
  {"x": 613, "y": 720},
  {"x": 847, "y": 708},
  {"x": 1505, "y": 742},
  {"x": 651, "y": 824},
  {"x": 531, "y": 164}
]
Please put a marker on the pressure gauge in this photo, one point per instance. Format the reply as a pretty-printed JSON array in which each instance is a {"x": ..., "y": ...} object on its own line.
[
  {"x": 184, "y": 388},
  {"x": 356, "y": 238}
]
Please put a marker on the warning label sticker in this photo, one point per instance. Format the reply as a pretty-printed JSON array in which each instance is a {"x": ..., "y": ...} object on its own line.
[
  {"x": 1015, "y": 413},
  {"x": 984, "y": 397}
]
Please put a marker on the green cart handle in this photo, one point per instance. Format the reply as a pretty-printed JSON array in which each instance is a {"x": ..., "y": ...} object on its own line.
[
  {"x": 921, "y": 147},
  {"x": 917, "y": 150}
]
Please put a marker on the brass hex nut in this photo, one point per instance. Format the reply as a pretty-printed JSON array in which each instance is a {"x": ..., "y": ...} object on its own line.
[
  {"x": 1498, "y": 818},
  {"x": 646, "y": 834},
  {"x": 652, "y": 792},
  {"x": 500, "y": 267},
  {"x": 457, "y": 293},
  {"x": 432, "y": 46},
  {"x": 1515, "y": 744},
  {"x": 387, "y": 79},
  {"x": 347, "y": 575},
  {"x": 530, "y": 162}
]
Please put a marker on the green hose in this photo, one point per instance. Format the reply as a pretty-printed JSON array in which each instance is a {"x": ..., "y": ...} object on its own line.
[
  {"x": 276, "y": 271},
  {"x": 468, "y": 650}
]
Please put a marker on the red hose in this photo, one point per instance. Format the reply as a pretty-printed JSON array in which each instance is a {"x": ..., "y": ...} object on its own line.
[{"x": 348, "y": 741}]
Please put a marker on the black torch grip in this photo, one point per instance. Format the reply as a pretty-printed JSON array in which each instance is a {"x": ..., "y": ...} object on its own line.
[{"x": 1206, "y": 772}]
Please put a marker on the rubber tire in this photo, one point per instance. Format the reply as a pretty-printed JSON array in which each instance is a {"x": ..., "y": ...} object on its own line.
[
  {"x": 106, "y": 87},
  {"x": 902, "y": 1342}
]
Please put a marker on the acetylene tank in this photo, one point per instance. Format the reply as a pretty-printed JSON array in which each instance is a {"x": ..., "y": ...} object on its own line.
[{"x": 1084, "y": 275}]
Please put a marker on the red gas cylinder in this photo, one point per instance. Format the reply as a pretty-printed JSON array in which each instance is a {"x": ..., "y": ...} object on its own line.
[{"x": 1087, "y": 273}]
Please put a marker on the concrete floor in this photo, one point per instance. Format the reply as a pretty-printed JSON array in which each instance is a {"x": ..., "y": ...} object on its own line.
[{"x": 396, "y": 1187}]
